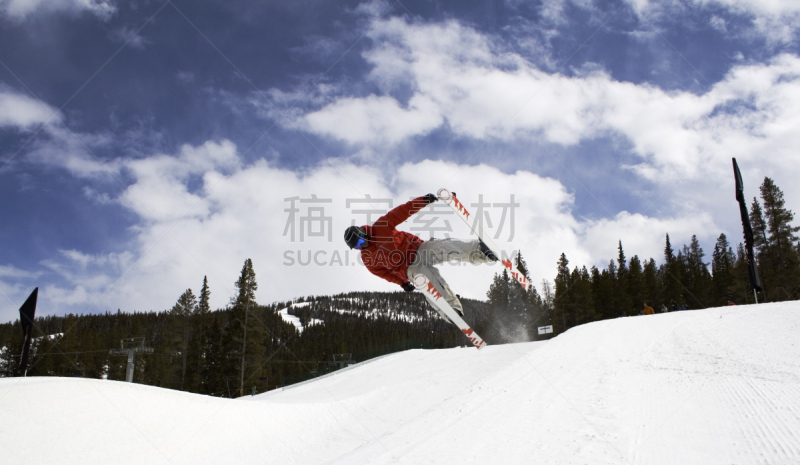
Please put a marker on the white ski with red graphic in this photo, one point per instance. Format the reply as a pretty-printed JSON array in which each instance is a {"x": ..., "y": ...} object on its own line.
[
  {"x": 447, "y": 197},
  {"x": 438, "y": 302}
]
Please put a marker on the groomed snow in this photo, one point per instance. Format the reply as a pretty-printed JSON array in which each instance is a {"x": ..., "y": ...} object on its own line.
[{"x": 718, "y": 386}]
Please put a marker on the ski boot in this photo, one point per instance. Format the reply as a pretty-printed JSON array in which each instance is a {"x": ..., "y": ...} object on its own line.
[{"x": 488, "y": 252}]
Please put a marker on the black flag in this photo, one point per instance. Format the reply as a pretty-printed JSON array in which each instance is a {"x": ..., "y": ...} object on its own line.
[
  {"x": 26, "y": 315},
  {"x": 752, "y": 271}
]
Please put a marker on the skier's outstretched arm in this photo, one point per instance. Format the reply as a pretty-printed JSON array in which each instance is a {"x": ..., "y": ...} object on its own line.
[{"x": 404, "y": 212}]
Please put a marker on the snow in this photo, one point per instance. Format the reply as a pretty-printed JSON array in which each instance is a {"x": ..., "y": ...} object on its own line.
[
  {"x": 49, "y": 337},
  {"x": 717, "y": 386},
  {"x": 401, "y": 316},
  {"x": 295, "y": 320}
]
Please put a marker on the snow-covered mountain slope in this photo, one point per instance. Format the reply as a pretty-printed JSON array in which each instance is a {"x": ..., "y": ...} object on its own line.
[
  {"x": 291, "y": 319},
  {"x": 696, "y": 387}
]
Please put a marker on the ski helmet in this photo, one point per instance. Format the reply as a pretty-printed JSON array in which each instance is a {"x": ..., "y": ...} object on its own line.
[{"x": 353, "y": 235}]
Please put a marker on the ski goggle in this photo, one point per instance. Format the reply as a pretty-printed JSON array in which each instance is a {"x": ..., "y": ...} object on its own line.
[{"x": 360, "y": 243}]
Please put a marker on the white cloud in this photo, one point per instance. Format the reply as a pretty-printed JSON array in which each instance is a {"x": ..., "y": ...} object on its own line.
[
  {"x": 644, "y": 236},
  {"x": 22, "y": 112},
  {"x": 77, "y": 296},
  {"x": 20, "y": 9},
  {"x": 240, "y": 212},
  {"x": 118, "y": 261},
  {"x": 161, "y": 194},
  {"x": 773, "y": 8},
  {"x": 681, "y": 142},
  {"x": 12, "y": 272},
  {"x": 481, "y": 94},
  {"x": 58, "y": 146},
  {"x": 130, "y": 37},
  {"x": 775, "y": 20},
  {"x": 375, "y": 119},
  {"x": 718, "y": 23},
  {"x": 372, "y": 8},
  {"x": 101, "y": 198}
]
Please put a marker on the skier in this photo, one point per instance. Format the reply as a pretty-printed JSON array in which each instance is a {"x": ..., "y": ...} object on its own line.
[{"x": 398, "y": 256}]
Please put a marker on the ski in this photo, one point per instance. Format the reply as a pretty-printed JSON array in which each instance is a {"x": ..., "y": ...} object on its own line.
[
  {"x": 450, "y": 199},
  {"x": 436, "y": 300}
]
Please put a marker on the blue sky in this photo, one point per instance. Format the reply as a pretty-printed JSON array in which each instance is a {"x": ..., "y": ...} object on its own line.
[{"x": 144, "y": 145}]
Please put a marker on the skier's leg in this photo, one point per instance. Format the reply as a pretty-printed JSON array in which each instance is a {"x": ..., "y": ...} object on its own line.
[
  {"x": 418, "y": 267},
  {"x": 446, "y": 292},
  {"x": 435, "y": 251}
]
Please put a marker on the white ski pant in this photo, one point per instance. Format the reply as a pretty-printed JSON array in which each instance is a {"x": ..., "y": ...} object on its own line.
[{"x": 435, "y": 251}]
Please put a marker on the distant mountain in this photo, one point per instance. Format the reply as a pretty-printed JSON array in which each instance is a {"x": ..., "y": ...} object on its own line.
[{"x": 202, "y": 352}]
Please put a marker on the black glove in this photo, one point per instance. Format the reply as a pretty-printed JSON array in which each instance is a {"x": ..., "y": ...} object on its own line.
[
  {"x": 430, "y": 198},
  {"x": 408, "y": 287}
]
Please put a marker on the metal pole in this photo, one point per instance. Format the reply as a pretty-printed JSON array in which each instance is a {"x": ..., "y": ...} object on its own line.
[
  {"x": 129, "y": 373},
  {"x": 131, "y": 353},
  {"x": 756, "y": 295},
  {"x": 25, "y": 348}
]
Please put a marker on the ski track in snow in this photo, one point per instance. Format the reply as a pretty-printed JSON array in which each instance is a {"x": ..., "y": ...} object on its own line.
[
  {"x": 293, "y": 320},
  {"x": 717, "y": 386}
]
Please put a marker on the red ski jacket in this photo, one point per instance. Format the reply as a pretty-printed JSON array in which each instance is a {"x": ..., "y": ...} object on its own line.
[{"x": 390, "y": 251}]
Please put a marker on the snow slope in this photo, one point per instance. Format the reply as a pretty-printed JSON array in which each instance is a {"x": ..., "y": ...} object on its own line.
[
  {"x": 291, "y": 319},
  {"x": 718, "y": 386}
]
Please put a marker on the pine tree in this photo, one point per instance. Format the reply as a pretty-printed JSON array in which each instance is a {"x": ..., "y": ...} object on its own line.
[
  {"x": 581, "y": 303},
  {"x": 246, "y": 329},
  {"x": 759, "y": 227},
  {"x": 561, "y": 302},
  {"x": 548, "y": 296},
  {"x": 522, "y": 266},
  {"x": 511, "y": 310},
  {"x": 742, "y": 291},
  {"x": 531, "y": 302},
  {"x": 783, "y": 277},
  {"x": 652, "y": 286},
  {"x": 722, "y": 264},
  {"x": 622, "y": 264},
  {"x": 602, "y": 294},
  {"x": 213, "y": 373},
  {"x": 671, "y": 275},
  {"x": 779, "y": 218},
  {"x": 636, "y": 283},
  {"x": 499, "y": 292},
  {"x": 537, "y": 308},
  {"x": 623, "y": 297},
  {"x": 700, "y": 276},
  {"x": 197, "y": 356},
  {"x": 204, "y": 306},
  {"x": 181, "y": 326},
  {"x": 499, "y": 296}
]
